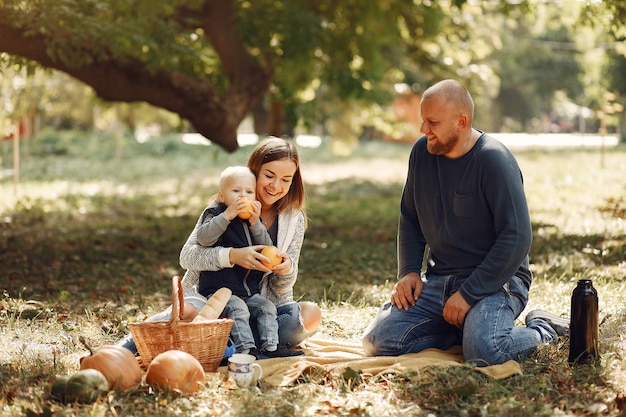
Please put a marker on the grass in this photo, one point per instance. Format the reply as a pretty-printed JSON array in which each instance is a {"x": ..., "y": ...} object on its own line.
[{"x": 91, "y": 238}]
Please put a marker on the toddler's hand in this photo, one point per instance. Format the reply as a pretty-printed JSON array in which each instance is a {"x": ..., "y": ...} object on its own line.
[
  {"x": 231, "y": 212},
  {"x": 256, "y": 212}
]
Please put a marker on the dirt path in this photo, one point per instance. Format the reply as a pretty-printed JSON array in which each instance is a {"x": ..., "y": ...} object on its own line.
[{"x": 376, "y": 170}]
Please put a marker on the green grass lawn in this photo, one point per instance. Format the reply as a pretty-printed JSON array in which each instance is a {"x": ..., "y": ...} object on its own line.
[{"x": 91, "y": 237}]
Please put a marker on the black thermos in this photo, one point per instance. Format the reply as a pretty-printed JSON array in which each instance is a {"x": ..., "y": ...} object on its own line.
[{"x": 583, "y": 332}]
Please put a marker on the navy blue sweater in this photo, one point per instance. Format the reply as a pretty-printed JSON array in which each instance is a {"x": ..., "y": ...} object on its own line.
[{"x": 472, "y": 213}]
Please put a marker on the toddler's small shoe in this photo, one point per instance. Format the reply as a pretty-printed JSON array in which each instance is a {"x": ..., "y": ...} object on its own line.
[{"x": 281, "y": 352}]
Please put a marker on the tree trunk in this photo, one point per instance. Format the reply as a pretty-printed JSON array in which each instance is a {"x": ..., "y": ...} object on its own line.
[
  {"x": 277, "y": 118},
  {"x": 261, "y": 118},
  {"x": 124, "y": 78}
]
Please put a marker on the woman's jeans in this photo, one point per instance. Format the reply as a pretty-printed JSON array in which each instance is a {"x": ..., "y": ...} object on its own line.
[
  {"x": 290, "y": 328},
  {"x": 488, "y": 336}
]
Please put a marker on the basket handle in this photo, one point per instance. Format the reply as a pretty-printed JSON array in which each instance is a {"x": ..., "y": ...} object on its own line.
[{"x": 178, "y": 301}]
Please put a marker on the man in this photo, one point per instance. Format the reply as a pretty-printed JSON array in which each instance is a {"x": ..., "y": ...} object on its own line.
[{"x": 463, "y": 200}]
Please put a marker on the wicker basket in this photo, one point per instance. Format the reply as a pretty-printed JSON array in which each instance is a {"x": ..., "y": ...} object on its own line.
[{"x": 206, "y": 341}]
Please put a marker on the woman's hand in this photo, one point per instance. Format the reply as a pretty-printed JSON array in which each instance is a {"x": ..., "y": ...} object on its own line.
[
  {"x": 248, "y": 257},
  {"x": 284, "y": 267}
]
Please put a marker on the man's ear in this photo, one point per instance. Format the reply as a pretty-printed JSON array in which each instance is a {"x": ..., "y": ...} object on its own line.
[{"x": 463, "y": 121}]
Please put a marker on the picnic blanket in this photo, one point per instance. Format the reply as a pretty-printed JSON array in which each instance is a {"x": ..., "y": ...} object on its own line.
[{"x": 334, "y": 357}]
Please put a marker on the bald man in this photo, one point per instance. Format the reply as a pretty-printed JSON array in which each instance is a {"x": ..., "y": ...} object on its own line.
[{"x": 463, "y": 206}]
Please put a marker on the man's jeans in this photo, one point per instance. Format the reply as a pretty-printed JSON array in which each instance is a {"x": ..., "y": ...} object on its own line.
[{"x": 488, "y": 337}]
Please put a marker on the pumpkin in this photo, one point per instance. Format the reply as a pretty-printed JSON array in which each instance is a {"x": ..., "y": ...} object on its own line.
[
  {"x": 175, "y": 371},
  {"x": 271, "y": 252},
  {"x": 86, "y": 386},
  {"x": 118, "y": 365},
  {"x": 59, "y": 388}
]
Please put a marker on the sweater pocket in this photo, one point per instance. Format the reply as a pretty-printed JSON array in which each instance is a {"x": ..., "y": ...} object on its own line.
[{"x": 463, "y": 205}]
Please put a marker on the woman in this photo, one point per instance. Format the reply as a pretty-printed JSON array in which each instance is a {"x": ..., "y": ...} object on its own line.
[{"x": 280, "y": 190}]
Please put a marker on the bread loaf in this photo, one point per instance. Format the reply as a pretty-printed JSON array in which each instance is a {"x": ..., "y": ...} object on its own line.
[{"x": 214, "y": 305}]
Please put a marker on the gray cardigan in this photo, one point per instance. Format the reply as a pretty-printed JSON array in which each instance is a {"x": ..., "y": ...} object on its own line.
[{"x": 276, "y": 288}]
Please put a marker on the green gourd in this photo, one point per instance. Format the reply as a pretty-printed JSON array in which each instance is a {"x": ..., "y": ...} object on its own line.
[
  {"x": 86, "y": 386},
  {"x": 58, "y": 389}
]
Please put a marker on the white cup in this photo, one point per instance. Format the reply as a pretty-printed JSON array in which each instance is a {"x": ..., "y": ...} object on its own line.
[{"x": 242, "y": 369}]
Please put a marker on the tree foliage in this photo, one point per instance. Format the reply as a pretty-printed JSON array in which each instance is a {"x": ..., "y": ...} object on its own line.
[
  {"x": 213, "y": 61},
  {"x": 538, "y": 57},
  {"x": 161, "y": 52}
]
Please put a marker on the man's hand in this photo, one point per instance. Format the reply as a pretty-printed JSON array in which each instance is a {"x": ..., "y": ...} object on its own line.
[
  {"x": 455, "y": 310},
  {"x": 406, "y": 291}
]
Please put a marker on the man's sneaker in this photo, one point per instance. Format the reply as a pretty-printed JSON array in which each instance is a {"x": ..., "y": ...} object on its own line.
[
  {"x": 281, "y": 352},
  {"x": 559, "y": 324}
]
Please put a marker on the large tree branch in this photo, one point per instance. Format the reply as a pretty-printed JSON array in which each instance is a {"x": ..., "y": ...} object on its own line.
[
  {"x": 240, "y": 67},
  {"x": 214, "y": 115}
]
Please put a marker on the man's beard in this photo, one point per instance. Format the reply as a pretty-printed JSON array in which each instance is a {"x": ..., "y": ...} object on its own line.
[{"x": 438, "y": 148}]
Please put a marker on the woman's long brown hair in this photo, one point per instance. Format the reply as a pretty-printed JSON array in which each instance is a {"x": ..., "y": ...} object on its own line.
[{"x": 272, "y": 149}]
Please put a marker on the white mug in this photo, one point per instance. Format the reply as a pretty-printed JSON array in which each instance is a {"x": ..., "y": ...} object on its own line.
[{"x": 242, "y": 368}]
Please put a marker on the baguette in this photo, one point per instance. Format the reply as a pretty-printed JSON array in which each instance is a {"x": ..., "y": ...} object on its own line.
[{"x": 214, "y": 306}]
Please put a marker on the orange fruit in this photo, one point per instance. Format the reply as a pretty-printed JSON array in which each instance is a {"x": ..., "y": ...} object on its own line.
[
  {"x": 271, "y": 252},
  {"x": 246, "y": 214}
]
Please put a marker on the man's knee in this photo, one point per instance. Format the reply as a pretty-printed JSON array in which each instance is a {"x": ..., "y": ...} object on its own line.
[
  {"x": 381, "y": 337},
  {"x": 482, "y": 353},
  {"x": 369, "y": 347},
  {"x": 375, "y": 343}
]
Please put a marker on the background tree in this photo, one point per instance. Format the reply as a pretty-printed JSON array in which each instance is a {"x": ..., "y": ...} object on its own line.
[
  {"x": 162, "y": 52},
  {"x": 537, "y": 58},
  {"x": 304, "y": 62},
  {"x": 213, "y": 61},
  {"x": 607, "y": 89}
]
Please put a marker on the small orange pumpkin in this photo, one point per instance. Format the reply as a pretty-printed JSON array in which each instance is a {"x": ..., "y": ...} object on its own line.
[
  {"x": 176, "y": 371},
  {"x": 118, "y": 365}
]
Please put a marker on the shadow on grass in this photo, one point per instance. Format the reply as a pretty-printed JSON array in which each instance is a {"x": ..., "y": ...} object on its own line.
[
  {"x": 111, "y": 264},
  {"x": 555, "y": 254},
  {"x": 125, "y": 248}
]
